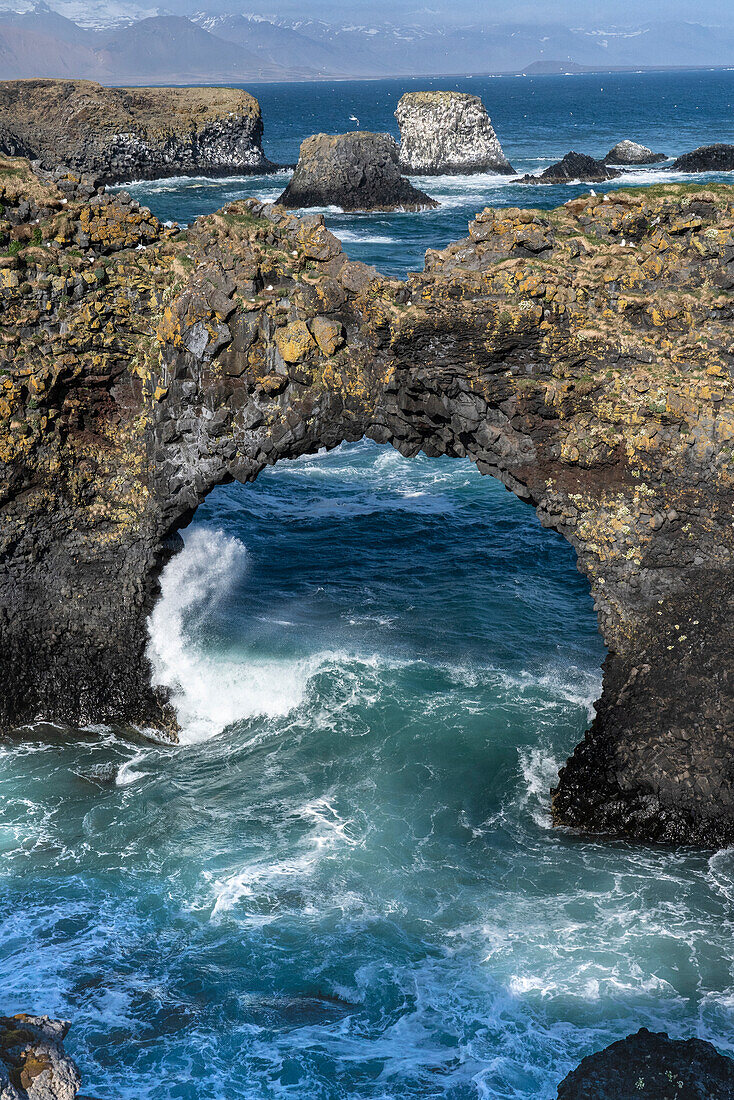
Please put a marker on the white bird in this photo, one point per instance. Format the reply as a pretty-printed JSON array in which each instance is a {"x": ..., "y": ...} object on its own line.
[{"x": 353, "y": 118}]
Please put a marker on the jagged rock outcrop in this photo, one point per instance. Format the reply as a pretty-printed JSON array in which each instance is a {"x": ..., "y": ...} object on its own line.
[
  {"x": 358, "y": 171},
  {"x": 580, "y": 355},
  {"x": 651, "y": 1066},
  {"x": 33, "y": 1062},
  {"x": 709, "y": 158},
  {"x": 574, "y": 167},
  {"x": 447, "y": 133},
  {"x": 631, "y": 152},
  {"x": 120, "y": 134}
]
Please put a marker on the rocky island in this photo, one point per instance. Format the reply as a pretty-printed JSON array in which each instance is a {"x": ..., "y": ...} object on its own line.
[
  {"x": 574, "y": 167},
  {"x": 448, "y": 133},
  {"x": 580, "y": 355},
  {"x": 708, "y": 158},
  {"x": 358, "y": 171},
  {"x": 631, "y": 153},
  {"x": 118, "y": 134}
]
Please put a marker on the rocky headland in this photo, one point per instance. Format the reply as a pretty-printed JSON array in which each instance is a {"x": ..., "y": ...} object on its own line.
[
  {"x": 117, "y": 134},
  {"x": 631, "y": 153},
  {"x": 358, "y": 171},
  {"x": 447, "y": 133},
  {"x": 651, "y": 1066},
  {"x": 574, "y": 167},
  {"x": 33, "y": 1062},
  {"x": 708, "y": 158},
  {"x": 580, "y": 355}
]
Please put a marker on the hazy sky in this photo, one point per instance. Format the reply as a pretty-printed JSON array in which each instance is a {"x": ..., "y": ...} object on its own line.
[{"x": 587, "y": 13}]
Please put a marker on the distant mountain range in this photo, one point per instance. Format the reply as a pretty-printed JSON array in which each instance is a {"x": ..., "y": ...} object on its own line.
[{"x": 115, "y": 42}]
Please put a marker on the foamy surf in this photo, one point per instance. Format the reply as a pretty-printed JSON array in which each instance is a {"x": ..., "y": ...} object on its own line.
[{"x": 211, "y": 690}]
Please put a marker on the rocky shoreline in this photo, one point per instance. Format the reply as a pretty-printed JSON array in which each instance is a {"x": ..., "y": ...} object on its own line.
[
  {"x": 142, "y": 366},
  {"x": 35, "y": 1066}
]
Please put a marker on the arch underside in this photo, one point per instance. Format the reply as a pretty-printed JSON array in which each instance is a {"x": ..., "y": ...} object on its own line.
[{"x": 262, "y": 341}]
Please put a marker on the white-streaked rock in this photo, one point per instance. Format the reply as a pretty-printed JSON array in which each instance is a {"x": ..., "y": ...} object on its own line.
[{"x": 448, "y": 133}]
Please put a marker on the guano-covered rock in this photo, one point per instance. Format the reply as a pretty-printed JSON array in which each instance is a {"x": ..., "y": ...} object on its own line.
[
  {"x": 447, "y": 133},
  {"x": 631, "y": 153}
]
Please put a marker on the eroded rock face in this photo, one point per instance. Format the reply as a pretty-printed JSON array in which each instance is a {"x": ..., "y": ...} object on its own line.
[
  {"x": 447, "y": 133},
  {"x": 121, "y": 134},
  {"x": 356, "y": 171},
  {"x": 33, "y": 1062},
  {"x": 653, "y": 1067},
  {"x": 574, "y": 166},
  {"x": 581, "y": 356},
  {"x": 709, "y": 158},
  {"x": 631, "y": 152}
]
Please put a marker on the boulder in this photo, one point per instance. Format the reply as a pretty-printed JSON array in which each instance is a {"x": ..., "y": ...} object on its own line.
[
  {"x": 356, "y": 171},
  {"x": 630, "y": 152},
  {"x": 448, "y": 133},
  {"x": 33, "y": 1062},
  {"x": 575, "y": 166},
  {"x": 651, "y": 1066},
  {"x": 708, "y": 158}
]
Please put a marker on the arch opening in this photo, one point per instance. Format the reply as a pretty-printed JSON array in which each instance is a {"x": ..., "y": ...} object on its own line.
[{"x": 361, "y": 558}]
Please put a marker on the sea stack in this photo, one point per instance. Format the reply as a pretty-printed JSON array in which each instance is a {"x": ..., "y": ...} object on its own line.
[
  {"x": 574, "y": 166},
  {"x": 358, "y": 171},
  {"x": 631, "y": 153},
  {"x": 708, "y": 158},
  {"x": 118, "y": 134},
  {"x": 448, "y": 133}
]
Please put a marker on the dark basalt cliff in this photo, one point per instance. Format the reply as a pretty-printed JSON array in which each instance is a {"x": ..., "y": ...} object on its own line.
[
  {"x": 357, "y": 171},
  {"x": 582, "y": 356},
  {"x": 651, "y": 1066},
  {"x": 132, "y": 133}
]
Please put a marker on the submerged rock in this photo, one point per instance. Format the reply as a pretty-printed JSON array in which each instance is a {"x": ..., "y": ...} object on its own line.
[
  {"x": 651, "y": 1066},
  {"x": 708, "y": 158},
  {"x": 356, "y": 171},
  {"x": 575, "y": 166},
  {"x": 33, "y": 1062},
  {"x": 630, "y": 152},
  {"x": 132, "y": 133},
  {"x": 448, "y": 133}
]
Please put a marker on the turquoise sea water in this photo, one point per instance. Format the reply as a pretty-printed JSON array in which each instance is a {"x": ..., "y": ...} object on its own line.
[{"x": 344, "y": 882}]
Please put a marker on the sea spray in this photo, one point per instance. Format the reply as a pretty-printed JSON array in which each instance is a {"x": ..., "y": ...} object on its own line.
[{"x": 209, "y": 688}]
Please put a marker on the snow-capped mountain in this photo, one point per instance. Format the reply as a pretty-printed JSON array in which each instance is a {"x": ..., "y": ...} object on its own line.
[{"x": 129, "y": 40}]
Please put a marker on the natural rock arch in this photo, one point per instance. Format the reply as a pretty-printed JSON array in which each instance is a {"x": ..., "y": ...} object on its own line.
[{"x": 544, "y": 348}]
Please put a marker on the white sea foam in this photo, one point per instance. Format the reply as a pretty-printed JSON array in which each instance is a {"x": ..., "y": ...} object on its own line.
[
  {"x": 127, "y": 773},
  {"x": 351, "y": 236},
  {"x": 210, "y": 690}
]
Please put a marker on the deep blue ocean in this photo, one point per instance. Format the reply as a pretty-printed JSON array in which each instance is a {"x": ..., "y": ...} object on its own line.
[{"x": 343, "y": 884}]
